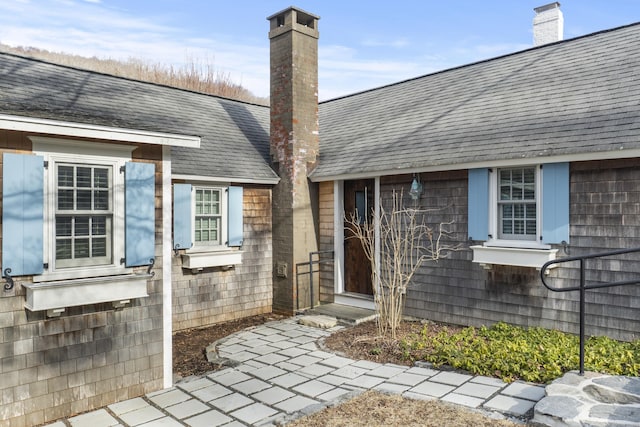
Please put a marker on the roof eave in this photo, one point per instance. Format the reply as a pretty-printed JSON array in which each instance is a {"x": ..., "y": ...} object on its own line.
[
  {"x": 238, "y": 180},
  {"x": 619, "y": 153},
  {"x": 83, "y": 130}
]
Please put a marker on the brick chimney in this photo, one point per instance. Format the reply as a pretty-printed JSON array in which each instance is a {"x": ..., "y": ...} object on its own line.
[
  {"x": 548, "y": 24},
  {"x": 294, "y": 145}
]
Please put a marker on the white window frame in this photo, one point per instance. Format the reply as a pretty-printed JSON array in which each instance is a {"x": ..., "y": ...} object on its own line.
[
  {"x": 108, "y": 213},
  {"x": 73, "y": 152},
  {"x": 494, "y": 226},
  {"x": 224, "y": 200},
  {"x": 201, "y": 256}
]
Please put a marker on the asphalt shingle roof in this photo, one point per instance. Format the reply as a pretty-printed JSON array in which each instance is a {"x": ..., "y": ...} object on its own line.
[
  {"x": 235, "y": 135},
  {"x": 576, "y": 96}
]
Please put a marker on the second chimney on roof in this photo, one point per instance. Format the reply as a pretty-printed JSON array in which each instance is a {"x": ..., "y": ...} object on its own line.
[{"x": 548, "y": 24}]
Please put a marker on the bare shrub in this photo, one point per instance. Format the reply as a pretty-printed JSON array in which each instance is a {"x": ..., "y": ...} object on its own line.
[{"x": 406, "y": 242}]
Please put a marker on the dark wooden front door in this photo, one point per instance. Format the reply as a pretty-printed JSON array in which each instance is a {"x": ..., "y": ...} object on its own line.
[{"x": 358, "y": 197}]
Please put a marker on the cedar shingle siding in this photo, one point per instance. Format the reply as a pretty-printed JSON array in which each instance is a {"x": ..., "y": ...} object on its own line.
[{"x": 216, "y": 295}]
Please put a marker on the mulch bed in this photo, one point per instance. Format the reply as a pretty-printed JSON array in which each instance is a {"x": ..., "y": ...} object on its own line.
[{"x": 189, "y": 357}]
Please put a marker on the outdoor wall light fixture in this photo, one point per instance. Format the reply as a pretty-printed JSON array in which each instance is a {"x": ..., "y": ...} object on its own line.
[{"x": 416, "y": 188}]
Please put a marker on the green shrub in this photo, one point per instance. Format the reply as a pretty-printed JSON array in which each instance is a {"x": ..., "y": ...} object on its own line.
[{"x": 510, "y": 352}]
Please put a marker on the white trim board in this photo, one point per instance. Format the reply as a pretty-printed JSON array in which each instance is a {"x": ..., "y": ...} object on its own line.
[
  {"x": 620, "y": 153},
  {"x": 82, "y": 130},
  {"x": 226, "y": 179}
]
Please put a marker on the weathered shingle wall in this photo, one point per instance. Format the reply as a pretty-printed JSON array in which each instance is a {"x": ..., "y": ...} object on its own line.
[
  {"x": 326, "y": 240},
  {"x": 90, "y": 356},
  {"x": 216, "y": 295},
  {"x": 605, "y": 203}
]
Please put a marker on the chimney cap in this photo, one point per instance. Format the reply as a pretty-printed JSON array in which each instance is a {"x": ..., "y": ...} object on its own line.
[
  {"x": 297, "y": 9},
  {"x": 546, "y": 7}
]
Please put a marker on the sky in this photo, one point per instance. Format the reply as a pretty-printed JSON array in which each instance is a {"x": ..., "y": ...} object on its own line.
[{"x": 362, "y": 45}]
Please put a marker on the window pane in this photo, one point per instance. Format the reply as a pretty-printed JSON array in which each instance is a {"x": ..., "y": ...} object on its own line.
[
  {"x": 81, "y": 226},
  {"x": 99, "y": 226},
  {"x": 83, "y": 177},
  {"x": 101, "y": 178},
  {"x": 65, "y": 200},
  {"x": 507, "y": 227},
  {"x": 529, "y": 175},
  {"x": 101, "y": 200},
  {"x": 63, "y": 249},
  {"x": 81, "y": 249},
  {"x": 529, "y": 192},
  {"x": 99, "y": 247},
  {"x": 83, "y": 202},
  {"x": 505, "y": 193},
  {"x": 65, "y": 176},
  {"x": 63, "y": 227}
]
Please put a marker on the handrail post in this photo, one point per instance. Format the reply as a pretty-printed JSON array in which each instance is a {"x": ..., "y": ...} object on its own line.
[
  {"x": 583, "y": 286},
  {"x": 582, "y": 310},
  {"x": 311, "y": 277}
]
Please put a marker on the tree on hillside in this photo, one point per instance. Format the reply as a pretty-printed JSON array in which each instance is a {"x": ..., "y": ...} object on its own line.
[{"x": 196, "y": 76}]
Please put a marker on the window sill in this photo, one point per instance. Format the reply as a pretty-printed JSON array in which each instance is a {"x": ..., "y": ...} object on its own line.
[
  {"x": 522, "y": 257},
  {"x": 83, "y": 273},
  {"x": 70, "y": 293},
  {"x": 200, "y": 260}
]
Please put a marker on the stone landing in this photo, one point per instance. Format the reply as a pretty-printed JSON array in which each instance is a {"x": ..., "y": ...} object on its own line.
[{"x": 594, "y": 400}]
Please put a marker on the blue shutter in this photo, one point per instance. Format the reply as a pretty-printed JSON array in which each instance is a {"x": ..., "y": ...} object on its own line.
[
  {"x": 235, "y": 218},
  {"x": 182, "y": 216},
  {"x": 22, "y": 214},
  {"x": 555, "y": 202},
  {"x": 140, "y": 216},
  {"x": 478, "y": 209}
]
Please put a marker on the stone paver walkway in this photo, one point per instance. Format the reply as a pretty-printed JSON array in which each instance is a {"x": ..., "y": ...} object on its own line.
[{"x": 283, "y": 374}]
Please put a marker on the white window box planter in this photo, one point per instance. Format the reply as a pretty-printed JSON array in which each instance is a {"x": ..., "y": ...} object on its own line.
[
  {"x": 200, "y": 260},
  {"x": 523, "y": 257},
  {"x": 55, "y": 296}
]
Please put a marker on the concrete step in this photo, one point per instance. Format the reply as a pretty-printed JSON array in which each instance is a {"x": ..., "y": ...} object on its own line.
[{"x": 345, "y": 314}]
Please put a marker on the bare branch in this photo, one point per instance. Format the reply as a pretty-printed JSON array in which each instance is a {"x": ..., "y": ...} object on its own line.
[{"x": 406, "y": 242}]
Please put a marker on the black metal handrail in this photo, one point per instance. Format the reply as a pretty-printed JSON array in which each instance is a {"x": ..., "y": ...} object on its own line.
[
  {"x": 583, "y": 285},
  {"x": 310, "y": 264}
]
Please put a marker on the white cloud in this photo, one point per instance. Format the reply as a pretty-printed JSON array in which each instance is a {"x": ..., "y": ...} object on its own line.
[{"x": 92, "y": 28}]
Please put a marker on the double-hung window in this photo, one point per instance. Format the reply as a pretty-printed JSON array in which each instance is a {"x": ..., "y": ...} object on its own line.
[
  {"x": 208, "y": 219},
  {"x": 83, "y": 215},
  {"x": 77, "y": 217},
  {"x": 84, "y": 211},
  {"x": 208, "y": 224},
  {"x": 517, "y": 204},
  {"x": 518, "y": 212}
]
